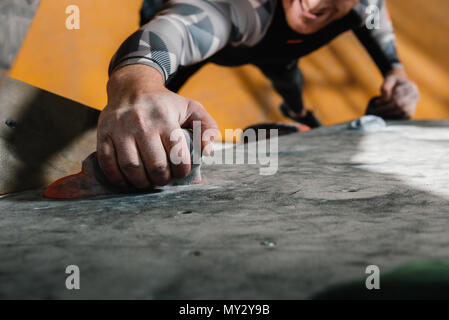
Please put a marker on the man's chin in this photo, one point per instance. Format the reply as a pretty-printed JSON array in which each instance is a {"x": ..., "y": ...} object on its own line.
[{"x": 303, "y": 28}]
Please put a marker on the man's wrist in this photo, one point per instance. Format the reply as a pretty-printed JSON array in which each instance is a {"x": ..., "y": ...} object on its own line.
[
  {"x": 138, "y": 73},
  {"x": 398, "y": 71},
  {"x": 131, "y": 81}
]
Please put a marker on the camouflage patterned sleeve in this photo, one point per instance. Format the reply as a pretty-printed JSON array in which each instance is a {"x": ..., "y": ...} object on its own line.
[
  {"x": 189, "y": 31},
  {"x": 377, "y": 35}
]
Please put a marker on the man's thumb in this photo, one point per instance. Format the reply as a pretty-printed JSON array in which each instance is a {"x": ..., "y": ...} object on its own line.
[
  {"x": 209, "y": 128},
  {"x": 388, "y": 87}
]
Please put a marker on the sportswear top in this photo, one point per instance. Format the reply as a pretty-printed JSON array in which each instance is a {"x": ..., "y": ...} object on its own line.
[{"x": 186, "y": 32}]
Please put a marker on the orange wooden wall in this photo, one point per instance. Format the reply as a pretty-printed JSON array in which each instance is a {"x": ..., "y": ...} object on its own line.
[{"x": 340, "y": 78}]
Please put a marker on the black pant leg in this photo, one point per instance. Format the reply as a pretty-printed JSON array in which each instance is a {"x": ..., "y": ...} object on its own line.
[
  {"x": 149, "y": 9},
  {"x": 288, "y": 81}
]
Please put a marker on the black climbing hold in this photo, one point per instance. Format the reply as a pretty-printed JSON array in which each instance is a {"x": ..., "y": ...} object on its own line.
[
  {"x": 11, "y": 123},
  {"x": 267, "y": 243}
]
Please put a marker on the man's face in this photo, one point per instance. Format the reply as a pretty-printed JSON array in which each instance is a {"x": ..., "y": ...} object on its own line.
[{"x": 309, "y": 16}]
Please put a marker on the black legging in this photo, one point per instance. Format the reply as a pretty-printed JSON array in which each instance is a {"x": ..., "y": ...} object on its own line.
[
  {"x": 149, "y": 10},
  {"x": 286, "y": 78}
]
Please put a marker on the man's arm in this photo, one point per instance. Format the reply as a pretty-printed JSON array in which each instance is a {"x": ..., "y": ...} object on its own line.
[
  {"x": 135, "y": 129},
  {"x": 379, "y": 40},
  {"x": 399, "y": 96},
  {"x": 187, "y": 32}
]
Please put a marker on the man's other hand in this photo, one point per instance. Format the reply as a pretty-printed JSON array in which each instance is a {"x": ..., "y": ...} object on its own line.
[
  {"x": 134, "y": 130},
  {"x": 399, "y": 97}
]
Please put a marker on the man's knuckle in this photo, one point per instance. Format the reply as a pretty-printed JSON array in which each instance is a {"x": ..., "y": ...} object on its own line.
[
  {"x": 130, "y": 166},
  {"x": 109, "y": 118},
  {"x": 146, "y": 130},
  {"x": 159, "y": 170},
  {"x": 181, "y": 171},
  {"x": 138, "y": 117},
  {"x": 102, "y": 153},
  {"x": 159, "y": 112},
  {"x": 160, "y": 178}
]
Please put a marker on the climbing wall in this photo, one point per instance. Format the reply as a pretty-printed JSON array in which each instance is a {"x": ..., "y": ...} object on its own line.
[
  {"x": 43, "y": 136},
  {"x": 15, "y": 18},
  {"x": 341, "y": 200}
]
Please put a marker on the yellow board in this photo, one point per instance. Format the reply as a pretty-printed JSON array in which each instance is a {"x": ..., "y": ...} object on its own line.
[
  {"x": 341, "y": 78},
  {"x": 73, "y": 63}
]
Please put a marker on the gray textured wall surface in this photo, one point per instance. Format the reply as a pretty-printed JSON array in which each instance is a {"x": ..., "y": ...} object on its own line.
[
  {"x": 43, "y": 136},
  {"x": 38, "y": 142},
  {"x": 15, "y": 18},
  {"x": 341, "y": 200}
]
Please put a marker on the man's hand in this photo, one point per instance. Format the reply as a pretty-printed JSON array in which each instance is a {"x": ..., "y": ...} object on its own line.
[
  {"x": 399, "y": 97},
  {"x": 133, "y": 140}
]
